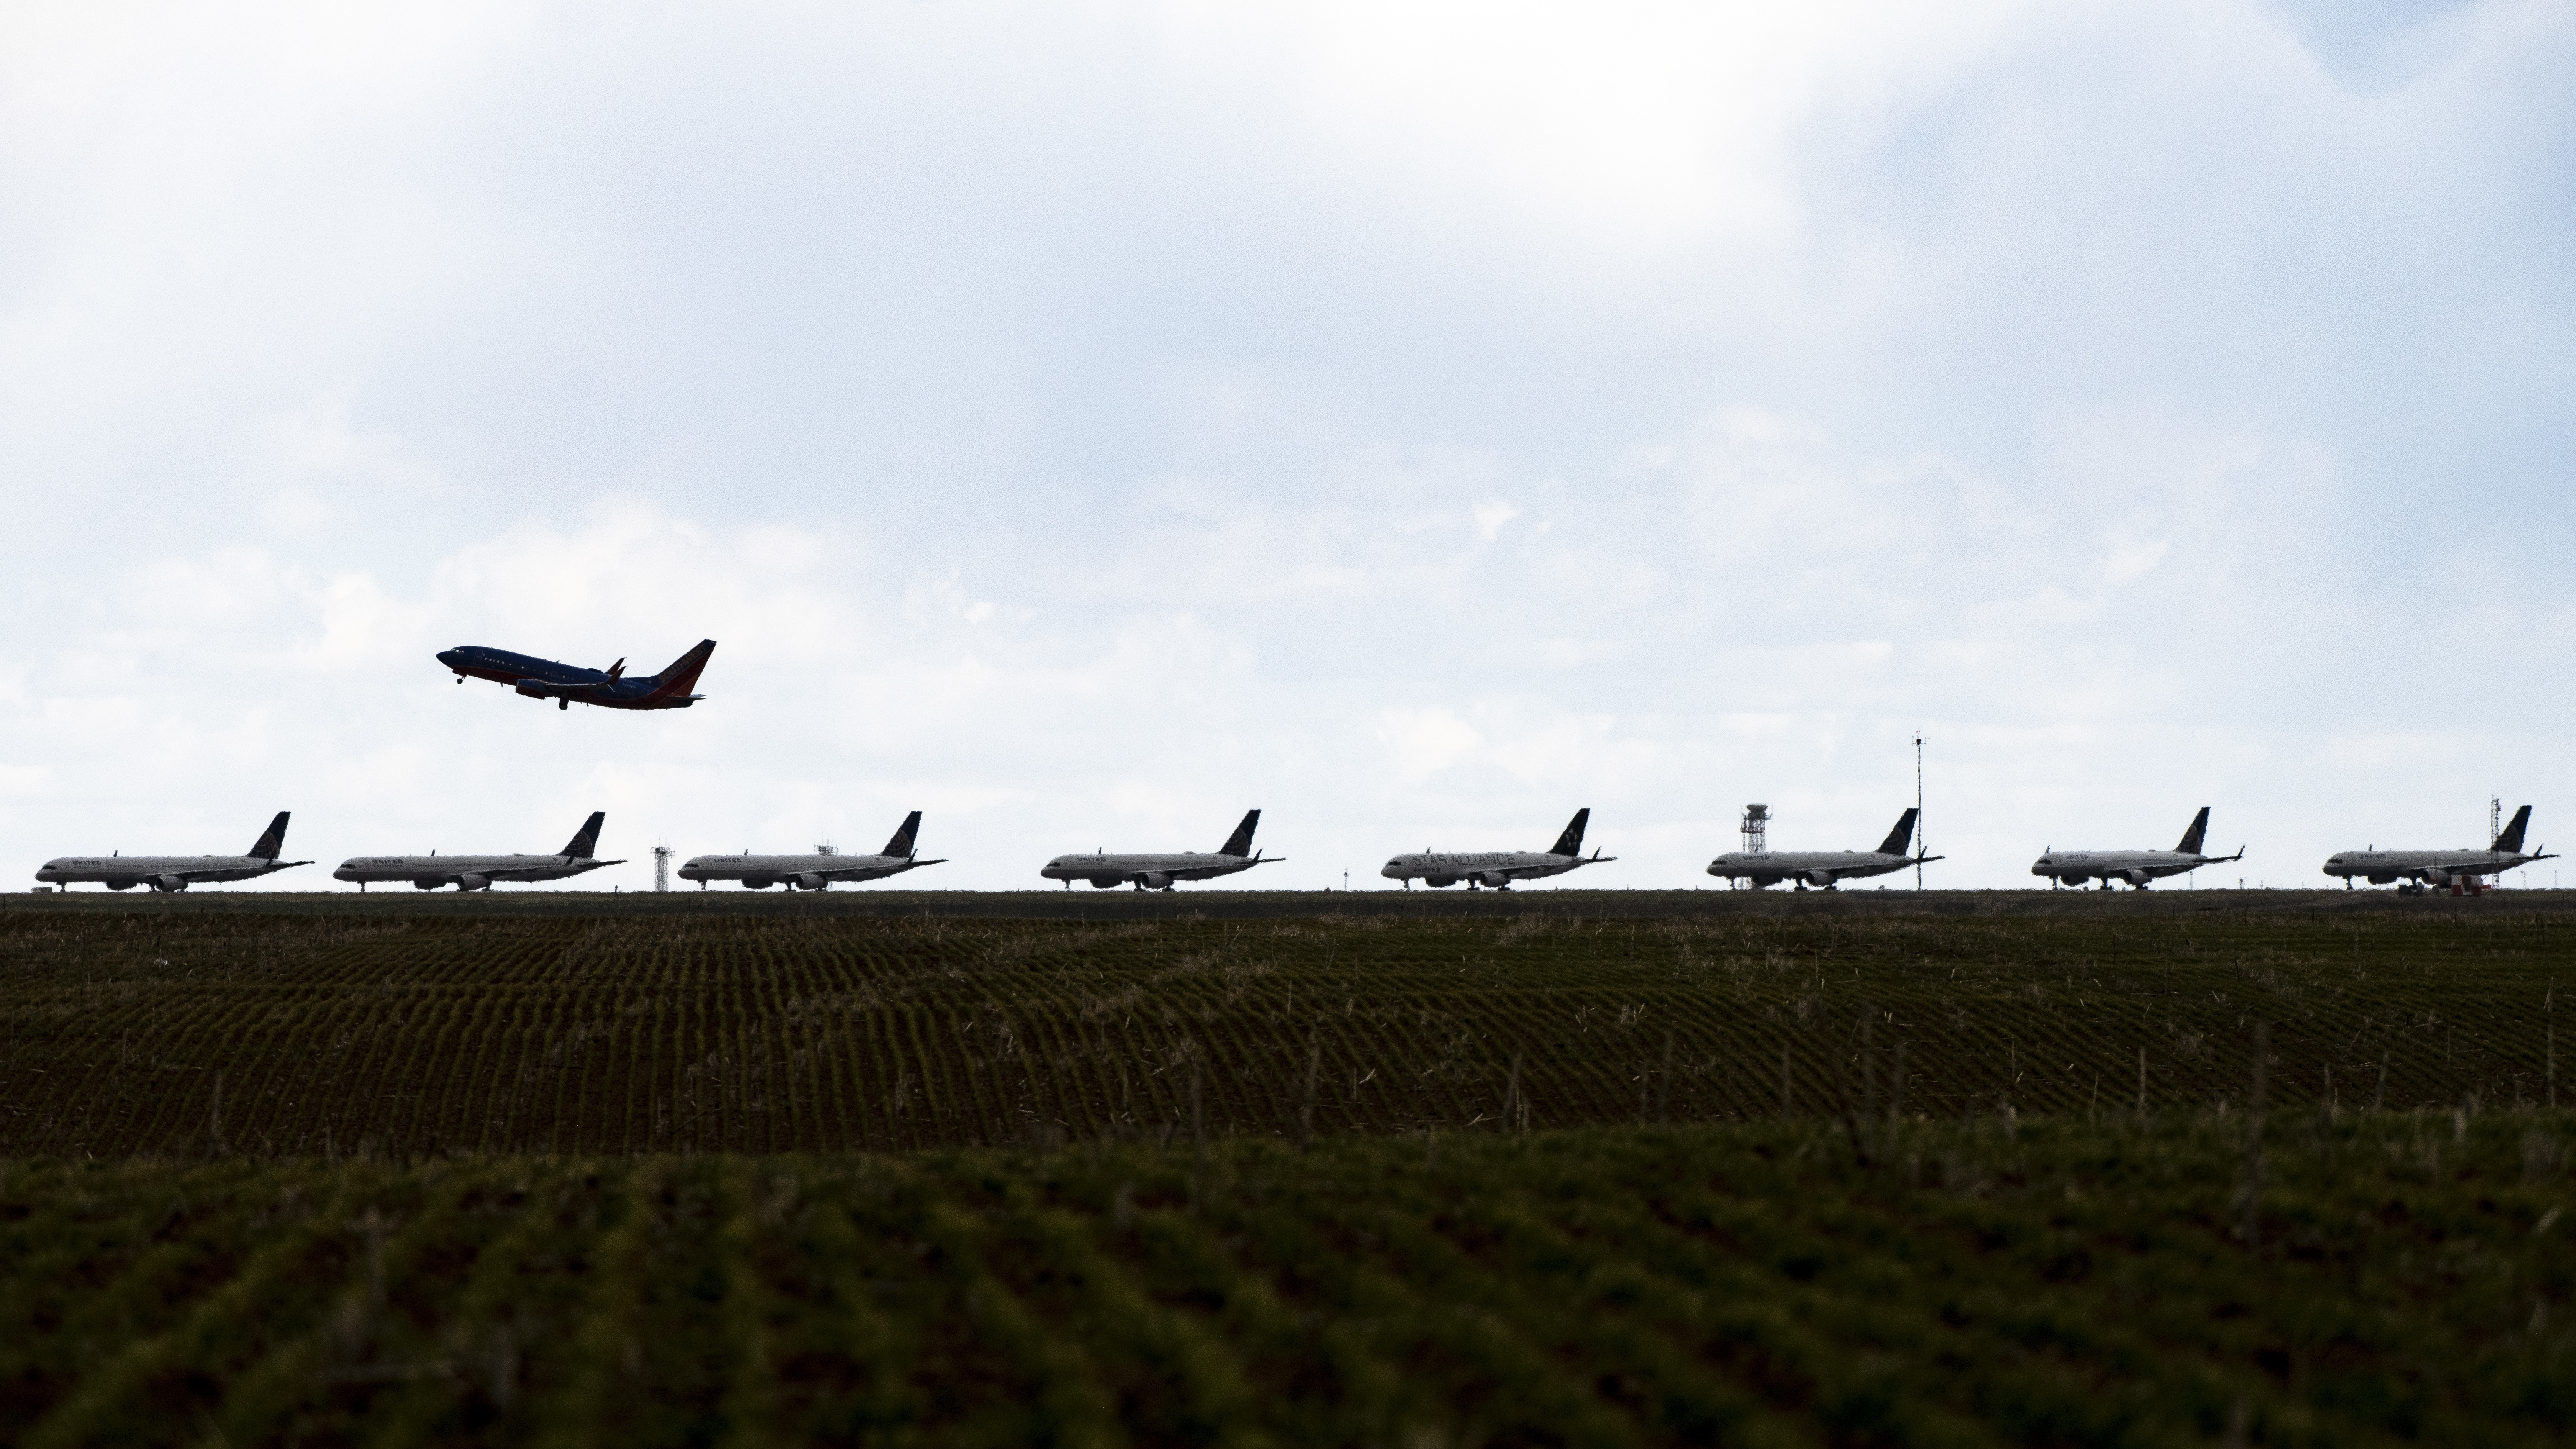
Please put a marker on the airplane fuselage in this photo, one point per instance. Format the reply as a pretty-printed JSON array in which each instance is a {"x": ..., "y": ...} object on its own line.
[
  {"x": 465, "y": 872},
  {"x": 1807, "y": 867},
  {"x": 797, "y": 872},
  {"x": 160, "y": 872},
  {"x": 2429, "y": 867},
  {"x": 2136, "y": 867},
  {"x": 1494, "y": 868},
  {"x": 1151, "y": 872}
]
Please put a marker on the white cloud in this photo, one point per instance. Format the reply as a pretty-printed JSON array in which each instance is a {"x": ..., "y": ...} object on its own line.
[{"x": 1085, "y": 425}]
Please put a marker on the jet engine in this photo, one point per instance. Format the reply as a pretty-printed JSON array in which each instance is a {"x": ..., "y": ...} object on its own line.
[
  {"x": 758, "y": 882},
  {"x": 426, "y": 884},
  {"x": 811, "y": 881},
  {"x": 2382, "y": 879},
  {"x": 1436, "y": 882},
  {"x": 1104, "y": 882},
  {"x": 2137, "y": 879},
  {"x": 1156, "y": 880},
  {"x": 1821, "y": 878},
  {"x": 120, "y": 882},
  {"x": 2075, "y": 877},
  {"x": 168, "y": 883},
  {"x": 473, "y": 882},
  {"x": 532, "y": 688},
  {"x": 1496, "y": 879}
]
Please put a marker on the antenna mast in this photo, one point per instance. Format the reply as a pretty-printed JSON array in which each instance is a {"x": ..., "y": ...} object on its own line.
[
  {"x": 661, "y": 867},
  {"x": 1921, "y": 849}
]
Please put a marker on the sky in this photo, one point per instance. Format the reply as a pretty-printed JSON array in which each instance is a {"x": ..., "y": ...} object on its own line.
[{"x": 1082, "y": 423}]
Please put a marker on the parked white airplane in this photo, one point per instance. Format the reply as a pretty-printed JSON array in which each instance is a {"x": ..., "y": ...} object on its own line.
[
  {"x": 1822, "y": 868},
  {"x": 174, "y": 872},
  {"x": 1161, "y": 872},
  {"x": 478, "y": 872},
  {"x": 2137, "y": 867},
  {"x": 1497, "y": 868},
  {"x": 2464, "y": 871},
  {"x": 811, "y": 872}
]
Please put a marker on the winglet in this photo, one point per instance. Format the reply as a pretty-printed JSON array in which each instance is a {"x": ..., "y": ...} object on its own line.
[
  {"x": 1571, "y": 842},
  {"x": 586, "y": 839},
  {"x": 1240, "y": 842},
  {"x": 902, "y": 843},
  {"x": 272, "y": 841},
  {"x": 1896, "y": 839},
  {"x": 2191, "y": 838}
]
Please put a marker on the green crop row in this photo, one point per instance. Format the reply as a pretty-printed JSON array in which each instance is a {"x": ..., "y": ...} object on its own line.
[
  {"x": 310, "y": 1035},
  {"x": 2344, "y": 1279}
]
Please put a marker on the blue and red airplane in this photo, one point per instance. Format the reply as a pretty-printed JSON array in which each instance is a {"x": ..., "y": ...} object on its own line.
[{"x": 564, "y": 683}]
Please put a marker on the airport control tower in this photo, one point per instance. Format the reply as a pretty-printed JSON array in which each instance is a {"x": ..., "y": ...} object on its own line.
[{"x": 1757, "y": 826}]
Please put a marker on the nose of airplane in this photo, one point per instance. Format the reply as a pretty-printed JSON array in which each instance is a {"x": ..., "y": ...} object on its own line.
[
  {"x": 447, "y": 657},
  {"x": 1390, "y": 870}
]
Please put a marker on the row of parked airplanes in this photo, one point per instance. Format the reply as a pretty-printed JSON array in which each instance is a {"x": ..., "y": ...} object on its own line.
[{"x": 2461, "y": 871}]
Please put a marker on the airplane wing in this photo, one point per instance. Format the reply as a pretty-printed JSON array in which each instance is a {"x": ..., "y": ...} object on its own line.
[
  {"x": 218, "y": 874},
  {"x": 535, "y": 688},
  {"x": 871, "y": 872}
]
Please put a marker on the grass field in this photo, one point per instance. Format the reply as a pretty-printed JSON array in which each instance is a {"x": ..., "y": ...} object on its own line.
[
  {"x": 190, "y": 1032},
  {"x": 1778, "y": 1171},
  {"x": 2405, "y": 1279}
]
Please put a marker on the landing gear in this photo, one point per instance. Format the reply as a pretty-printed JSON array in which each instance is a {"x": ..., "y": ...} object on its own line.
[{"x": 563, "y": 704}]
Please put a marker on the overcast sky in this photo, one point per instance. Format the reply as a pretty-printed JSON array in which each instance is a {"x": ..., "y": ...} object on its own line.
[{"x": 1085, "y": 422}]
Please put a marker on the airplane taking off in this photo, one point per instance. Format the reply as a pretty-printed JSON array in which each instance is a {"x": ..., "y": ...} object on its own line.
[
  {"x": 1822, "y": 868},
  {"x": 174, "y": 872},
  {"x": 1162, "y": 872},
  {"x": 2137, "y": 867},
  {"x": 2462, "y": 870},
  {"x": 811, "y": 872},
  {"x": 1498, "y": 868},
  {"x": 566, "y": 683},
  {"x": 478, "y": 872}
]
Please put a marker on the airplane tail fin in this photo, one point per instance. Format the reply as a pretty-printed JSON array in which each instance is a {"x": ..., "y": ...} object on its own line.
[
  {"x": 1896, "y": 839},
  {"x": 1571, "y": 842},
  {"x": 903, "y": 838},
  {"x": 2510, "y": 843},
  {"x": 1240, "y": 842},
  {"x": 681, "y": 674},
  {"x": 585, "y": 841},
  {"x": 272, "y": 841},
  {"x": 2191, "y": 838}
]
